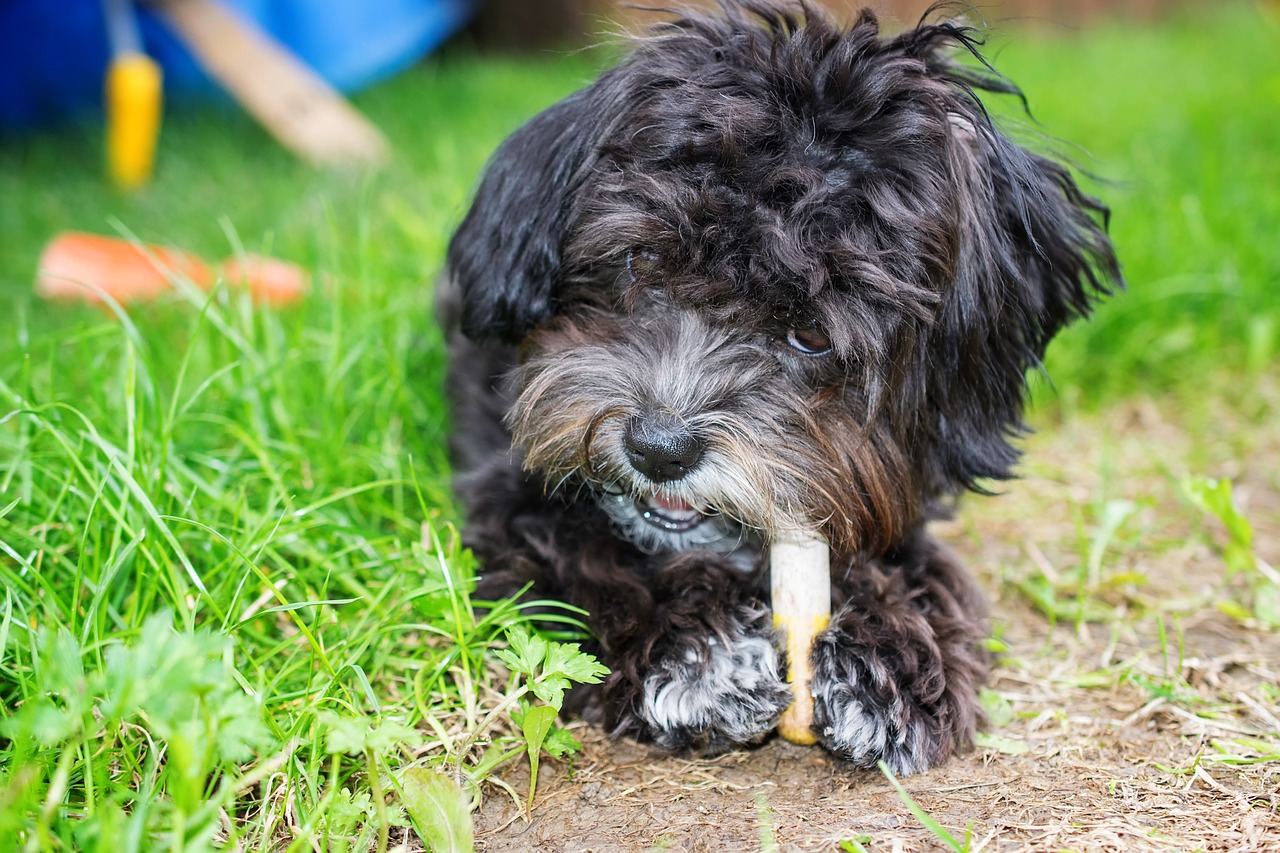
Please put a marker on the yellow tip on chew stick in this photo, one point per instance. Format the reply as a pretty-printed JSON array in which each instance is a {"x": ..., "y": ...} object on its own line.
[
  {"x": 133, "y": 96},
  {"x": 800, "y": 576}
]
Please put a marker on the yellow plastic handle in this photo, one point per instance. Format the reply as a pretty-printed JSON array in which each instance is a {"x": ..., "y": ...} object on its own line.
[{"x": 133, "y": 99}]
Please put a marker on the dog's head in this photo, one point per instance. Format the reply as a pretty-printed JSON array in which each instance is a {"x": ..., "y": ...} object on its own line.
[{"x": 771, "y": 274}]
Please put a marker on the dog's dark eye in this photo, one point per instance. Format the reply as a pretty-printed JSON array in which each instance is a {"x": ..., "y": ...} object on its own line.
[
  {"x": 641, "y": 262},
  {"x": 809, "y": 341}
]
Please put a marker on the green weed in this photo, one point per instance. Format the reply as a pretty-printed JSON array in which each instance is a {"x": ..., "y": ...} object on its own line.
[
  {"x": 1262, "y": 598},
  {"x": 1091, "y": 591},
  {"x": 926, "y": 820}
]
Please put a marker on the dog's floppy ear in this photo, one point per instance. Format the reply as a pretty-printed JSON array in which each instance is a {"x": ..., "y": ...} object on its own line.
[
  {"x": 505, "y": 256},
  {"x": 1032, "y": 254}
]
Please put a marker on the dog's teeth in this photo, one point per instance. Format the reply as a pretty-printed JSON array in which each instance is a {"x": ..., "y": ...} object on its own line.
[
  {"x": 671, "y": 504},
  {"x": 669, "y": 513}
]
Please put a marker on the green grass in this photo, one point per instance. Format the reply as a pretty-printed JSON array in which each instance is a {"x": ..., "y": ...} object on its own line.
[
  {"x": 1176, "y": 123},
  {"x": 234, "y": 608}
]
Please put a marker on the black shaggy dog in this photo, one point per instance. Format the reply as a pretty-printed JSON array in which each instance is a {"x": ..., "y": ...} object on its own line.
[{"x": 766, "y": 275}]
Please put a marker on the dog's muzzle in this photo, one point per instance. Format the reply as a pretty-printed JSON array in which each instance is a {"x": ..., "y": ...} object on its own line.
[{"x": 663, "y": 449}]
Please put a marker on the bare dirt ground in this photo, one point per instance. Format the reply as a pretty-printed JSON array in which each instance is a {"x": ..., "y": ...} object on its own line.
[{"x": 1108, "y": 736}]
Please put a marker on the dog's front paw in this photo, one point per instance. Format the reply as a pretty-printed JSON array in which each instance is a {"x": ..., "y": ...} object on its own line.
[
  {"x": 715, "y": 694},
  {"x": 866, "y": 709}
]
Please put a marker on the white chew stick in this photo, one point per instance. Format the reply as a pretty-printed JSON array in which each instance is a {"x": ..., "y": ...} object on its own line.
[{"x": 800, "y": 576}]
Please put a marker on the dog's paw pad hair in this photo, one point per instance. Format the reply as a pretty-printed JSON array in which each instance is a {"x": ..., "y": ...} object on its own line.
[
  {"x": 862, "y": 716},
  {"x": 711, "y": 699},
  {"x": 851, "y": 724}
]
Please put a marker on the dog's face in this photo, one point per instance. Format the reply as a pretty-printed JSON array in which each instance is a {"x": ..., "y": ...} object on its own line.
[
  {"x": 771, "y": 275},
  {"x": 696, "y": 429}
]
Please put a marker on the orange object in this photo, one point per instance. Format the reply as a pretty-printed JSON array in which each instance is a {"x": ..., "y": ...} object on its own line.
[
  {"x": 268, "y": 279},
  {"x": 83, "y": 267}
]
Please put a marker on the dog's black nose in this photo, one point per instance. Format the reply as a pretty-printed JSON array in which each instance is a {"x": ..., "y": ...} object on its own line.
[{"x": 661, "y": 448}]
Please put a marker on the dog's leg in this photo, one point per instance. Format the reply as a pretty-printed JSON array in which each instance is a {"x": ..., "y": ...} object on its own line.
[
  {"x": 706, "y": 674},
  {"x": 687, "y": 637},
  {"x": 897, "y": 673}
]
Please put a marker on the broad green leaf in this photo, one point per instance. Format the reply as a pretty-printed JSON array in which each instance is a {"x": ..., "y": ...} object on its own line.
[
  {"x": 569, "y": 660},
  {"x": 439, "y": 809},
  {"x": 1266, "y": 602},
  {"x": 537, "y": 723},
  {"x": 1235, "y": 610},
  {"x": 355, "y": 735},
  {"x": 999, "y": 711},
  {"x": 550, "y": 688},
  {"x": 1215, "y": 497},
  {"x": 561, "y": 742},
  {"x": 1000, "y": 743},
  {"x": 527, "y": 651}
]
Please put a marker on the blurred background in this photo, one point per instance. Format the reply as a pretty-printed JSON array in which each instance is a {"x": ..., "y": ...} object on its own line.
[
  {"x": 512, "y": 23},
  {"x": 344, "y": 140},
  {"x": 54, "y": 55},
  {"x": 1166, "y": 106}
]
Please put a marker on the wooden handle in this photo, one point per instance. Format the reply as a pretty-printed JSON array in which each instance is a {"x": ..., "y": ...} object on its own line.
[
  {"x": 800, "y": 575},
  {"x": 290, "y": 99}
]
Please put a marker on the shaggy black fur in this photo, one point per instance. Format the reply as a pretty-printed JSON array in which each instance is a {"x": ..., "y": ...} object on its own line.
[{"x": 766, "y": 274}]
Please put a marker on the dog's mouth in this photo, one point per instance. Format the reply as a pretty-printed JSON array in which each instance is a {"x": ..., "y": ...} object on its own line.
[
  {"x": 671, "y": 514},
  {"x": 662, "y": 523}
]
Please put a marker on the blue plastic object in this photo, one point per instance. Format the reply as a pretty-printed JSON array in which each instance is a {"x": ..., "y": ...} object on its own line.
[{"x": 54, "y": 53}]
